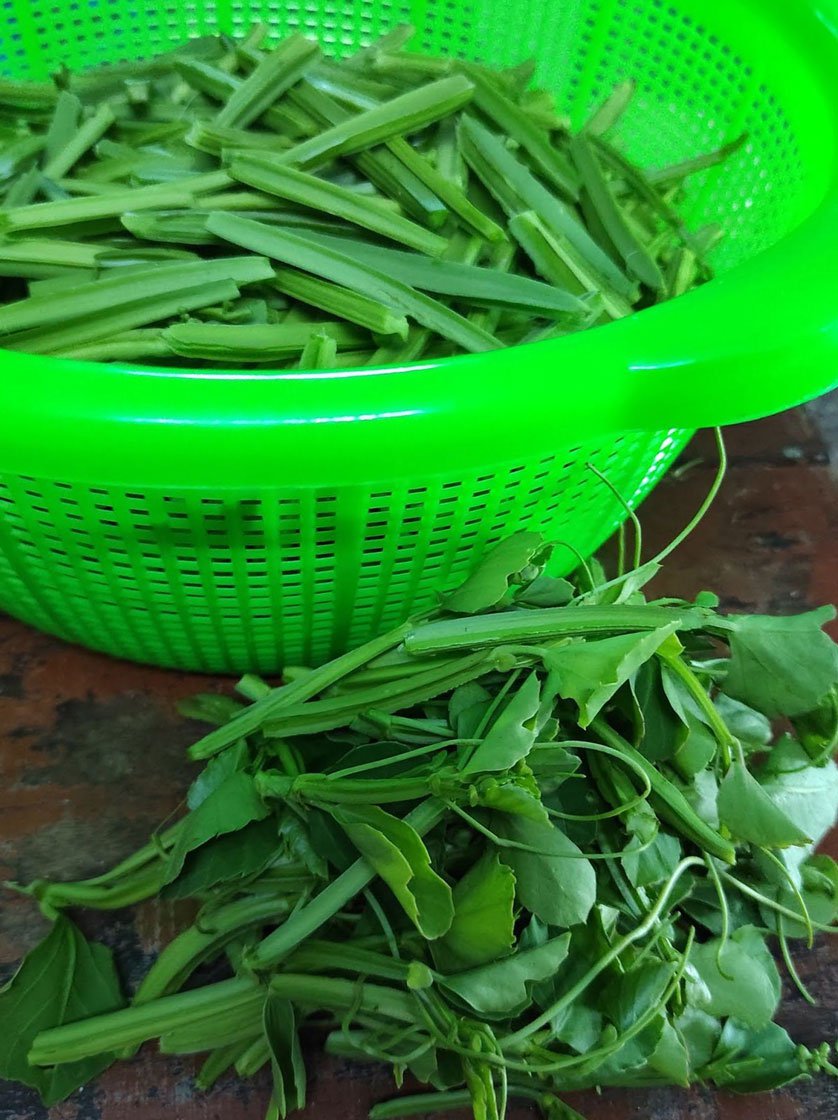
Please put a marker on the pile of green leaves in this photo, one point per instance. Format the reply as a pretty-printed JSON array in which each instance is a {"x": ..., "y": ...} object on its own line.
[
  {"x": 389, "y": 205},
  {"x": 541, "y": 839}
]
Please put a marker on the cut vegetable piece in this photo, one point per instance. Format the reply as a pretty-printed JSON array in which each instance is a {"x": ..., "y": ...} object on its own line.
[
  {"x": 342, "y": 269},
  {"x": 402, "y": 116},
  {"x": 609, "y": 112},
  {"x": 15, "y": 156},
  {"x": 65, "y": 120},
  {"x": 277, "y": 72},
  {"x": 517, "y": 189},
  {"x": 137, "y": 311},
  {"x": 213, "y": 138},
  {"x": 46, "y": 251},
  {"x": 637, "y": 257},
  {"x": 378, "y": 164},
  {"x": 557, "y": 260},
  {"x": 44, "y": 215},
  {"x": 319, "y": 195},
  {"x": 346, "y": 304},
  {"x": 85, "y": 136},
  {"x": 484, "y": 286},
  {"x": 678, "y": 171},
  {"x": 129, "y": 346},
  {"x": 221, "y": 342},
  {"x": 89, "y": 299},
  {"x": 446, "y": 189},
  {"x": 319, "y": 352},
  {"x": 493, "y": 102}
]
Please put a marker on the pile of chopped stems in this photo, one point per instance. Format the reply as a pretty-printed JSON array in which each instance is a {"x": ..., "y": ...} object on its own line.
[
  {"x": 238, "y": 203},
  {"x": 541, "y": 839}
]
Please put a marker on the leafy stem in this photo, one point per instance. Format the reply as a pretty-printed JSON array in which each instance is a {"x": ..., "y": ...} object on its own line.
[{"x": 728, "y": 743}]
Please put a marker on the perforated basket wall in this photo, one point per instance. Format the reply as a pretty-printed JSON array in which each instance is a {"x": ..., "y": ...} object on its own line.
[{"x": 251, "y": 578}]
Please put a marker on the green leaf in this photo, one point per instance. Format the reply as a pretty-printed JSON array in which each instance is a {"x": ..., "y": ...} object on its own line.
[
  {"x": 753, "y": 1060},
  {"x": 819, "y": 887},
  {"x": 671, "y": 1059},
  {"x": 629, "y": 996},
  {"x": 818, "y": 730},
  {"x": 399, "y": 856},
  {"x": 554, "y": 881},
  {"x": 501, "y": 987},
  {"x": 782, "y": 666},
  {"x": 805, "y": 794},
  {"x": 502, "y": 565},
  {"x": 545, "y": 591},
  {"x": 511, "y": 797},
  {"x": 217, "y": 771},
  {"x": 233, "y": 804},
  {"x": 664, "y": 729},
  {"x": 700, "y": 1033},
  {"x": 634, "y": 1054},
  {"x": 227, "y": 859},
  {"x": 655, "y": 863},
  {"x": 578, "y": 1026},
  {"x": 483, "y": 925},
  {"x": 64, "y": 978},
  {"x": 466, "y": 709},
  {"x": 289, "y": 1075},
  {"x": 748, "y": 812},
  {"x": 750, "y": 727},
  {"x": 512, "y": 734},
  {"x": 591, "y": 672},
  {"x": 748, "y": 983}
]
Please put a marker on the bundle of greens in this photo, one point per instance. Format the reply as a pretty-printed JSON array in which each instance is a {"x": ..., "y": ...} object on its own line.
[
  {"x": 541, "y": 839},
  {"x": 391, "y": 205}
]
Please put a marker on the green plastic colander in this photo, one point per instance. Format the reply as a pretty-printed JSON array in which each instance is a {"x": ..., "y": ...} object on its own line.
[{"x": 241, "y": 521}]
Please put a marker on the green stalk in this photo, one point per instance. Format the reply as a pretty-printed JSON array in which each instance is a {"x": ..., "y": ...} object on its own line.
[
  {"x": 327, "y": 198},
  {"x": 379, "y": 164},
  {"x": 135, "y": 886},
  {"x": 275, "y": 73},
  {"x": 514, "y": 123},
  {"x": 131, "y": 1026},
  {"x": 401, "y": 116},
  {"x": 332, "y": 712},
  {"x": 320, "y": 789},
  {"x": 91, "y": 130},
  {"x": 297, "y": 692},
  {"x": 667, "y": 800},
  {"x": 516, "y": 188},
  {"x": 482, "y": 631},
  {"x": 104, "y": 295},
  {"x": 340, "y": 891},
  {"x": 728, "y": 742},
  {"x": 204, "y": 940},
  {"x": 45, "y": 215},
  {"x": 487, "y": 287},
  {"x": 341, "y": 268},
  {"x": 345, "y": 995},
  {"x": 250, "y": 342},
  {"x": 341, "y": 302},
  {"x": 637, "y": 257}
]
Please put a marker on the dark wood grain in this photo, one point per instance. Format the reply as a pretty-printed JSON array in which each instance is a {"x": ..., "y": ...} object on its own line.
[{"x": 92, "y": 757}]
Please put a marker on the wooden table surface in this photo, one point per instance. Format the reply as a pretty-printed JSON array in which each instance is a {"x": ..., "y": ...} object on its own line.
[{"x": 92, "y": 757}]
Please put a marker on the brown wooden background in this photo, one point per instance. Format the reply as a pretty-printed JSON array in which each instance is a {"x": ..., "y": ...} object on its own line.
[{"x": 92, "y": 757}]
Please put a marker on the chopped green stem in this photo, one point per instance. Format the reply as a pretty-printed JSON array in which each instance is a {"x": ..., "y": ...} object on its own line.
[{"x": 133, "y": 1025}]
